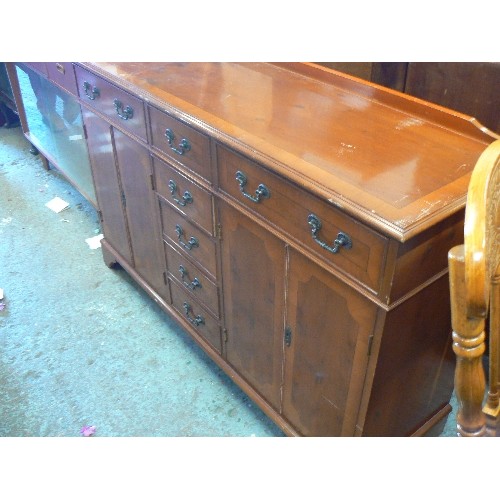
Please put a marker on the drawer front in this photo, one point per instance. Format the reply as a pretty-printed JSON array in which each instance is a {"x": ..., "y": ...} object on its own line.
[
  {"x": 190, "y": 240},
  {"x": 188, "y": 276},
  {"x": 63, "y": 74},
  {"x": 181, "y": 142},
  {"x": 118, "y": 105},
  {"x": 190, "y": 199},
  {"x": 200, "y": 319},
  {"x": 349, "y": 246},
  {"x": 41, "y": 67}
]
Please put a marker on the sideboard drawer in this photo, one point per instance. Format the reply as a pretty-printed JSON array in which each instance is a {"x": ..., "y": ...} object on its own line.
[
  {"x": 41, "y": 67},
  {"x": 118, "y": 105},
  {"x": 181, "y": 142},
  {"x": 193, "y": 279},
  {"x": 63, "y": 74},
  {"x": 202, "y": 321},
  {"x": 183, "y": 194},
  {"x": 189, "y": 239},
  {"x": 346, "y": 244}
]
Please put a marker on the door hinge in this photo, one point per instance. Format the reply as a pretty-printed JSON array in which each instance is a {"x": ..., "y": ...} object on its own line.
[
  {"x": 288, "y": 336},
  {"x": 152, "y": 179},
  {"x": 124, "y": 201},
  {"x": 99, "y": 214},
  {"x": 165, "y": 279},
  {"x": 224, "y": 333},
  {"x": 370, "y": 344},
  {"x": 85, "y": 135},
  {"x": 219, "y": 231}
]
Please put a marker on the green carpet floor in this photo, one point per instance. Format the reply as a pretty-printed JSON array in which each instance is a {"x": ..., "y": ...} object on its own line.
[{"x": 83, "y": 345}]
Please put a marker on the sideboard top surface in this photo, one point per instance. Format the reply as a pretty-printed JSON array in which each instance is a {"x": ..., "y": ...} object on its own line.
[{"x": 396, "y": 162}]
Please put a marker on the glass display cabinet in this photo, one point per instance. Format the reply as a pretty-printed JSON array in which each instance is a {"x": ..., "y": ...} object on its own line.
[{"x": 52, "y": 121}]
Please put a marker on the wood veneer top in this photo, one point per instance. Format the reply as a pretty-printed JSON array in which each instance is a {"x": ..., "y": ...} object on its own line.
[{"x": 398, "y": 163}]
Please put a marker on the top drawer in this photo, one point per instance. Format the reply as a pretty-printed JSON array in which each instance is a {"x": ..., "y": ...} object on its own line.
[
  {"x": 63, "y": 74},
  {"x": 118, "y": 105},
  {"x": 346, "y": 244},
  {"x": 180, "y": 142},
  {"x": 41, "y": 67}
]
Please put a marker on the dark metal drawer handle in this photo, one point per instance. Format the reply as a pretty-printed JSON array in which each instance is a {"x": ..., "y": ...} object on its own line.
[
  {"x": 261, "y": 192},
  {"x": 186, "y": 197},
  {"x": 124, "y": 113},
  {"x": 198, "y": 320},
  {"x": 342, "y": 240},
  {"x": 60, "y": 68},
  {"x": 91, "y": 92},
  {"x": 194, "y": 284},
  {"x": 192, "y": 243},
  {"x": 183, "y": 147}
]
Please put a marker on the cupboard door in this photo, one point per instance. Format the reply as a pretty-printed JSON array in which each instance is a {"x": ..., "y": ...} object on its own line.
[
  {"x": 134, "y": 165},
  {"x": 107, "y": 184},
  {"x": 326, "y": 353},
  {"x": 253, "y": 264}
]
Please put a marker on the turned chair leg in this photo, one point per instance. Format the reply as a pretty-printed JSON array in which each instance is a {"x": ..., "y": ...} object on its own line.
[
  {"x": 469, "y": 346},
  {"x": 492, "y": 406}
]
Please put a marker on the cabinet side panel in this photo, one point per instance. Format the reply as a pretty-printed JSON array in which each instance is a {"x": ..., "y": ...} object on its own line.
[{"x": 414, "y": 375}]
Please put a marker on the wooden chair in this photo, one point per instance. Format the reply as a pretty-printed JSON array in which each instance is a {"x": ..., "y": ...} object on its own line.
[{"x": 475, "y": 299}]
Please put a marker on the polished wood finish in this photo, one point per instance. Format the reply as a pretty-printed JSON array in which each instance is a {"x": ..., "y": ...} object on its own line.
[
  {"x": 200, "y": 319},
  {"x": 112, "y": 102},
  {"x": 253, "y": 269},
  {"x": 315, "y": 127},
  {"x": 289, "y": 208},
  {"x": 475, "y": 296},
  {"x": 107, "y": 183},
  {"x": 326, "y": 360},
  {"x": 388, "y": 74},
  {"x": 189, "y": 276},
  {"x": 189, "y": 239},
  {"x": 134, "y": 165},
  {"x": 63, "y": 74},
  {"x": 123, "y": 178},
  {"x": 182, "y": 194},
  {"x": 197, "y": 158},
  {"x": 337, "y": 329}
]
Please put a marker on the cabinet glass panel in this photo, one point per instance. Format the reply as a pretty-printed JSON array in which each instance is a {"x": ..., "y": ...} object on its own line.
[{"x": 55, "y": 127}]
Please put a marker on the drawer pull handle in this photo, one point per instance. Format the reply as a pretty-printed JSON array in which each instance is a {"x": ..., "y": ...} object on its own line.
[
  {"x": 194, "y": 284},
  {"x": 186, "y": 197},
  {"x": 198, "y": 320},
  {"x": 125, "y": 113},
  {"x": 261, "y": 192},
  {"x": 183, "y": 146},
  {"x": 192, "y": 243},
  {"x": 60, "y": 68},
  {"x": 91, "y": 92},
  {"x": 342, "y": 240}
]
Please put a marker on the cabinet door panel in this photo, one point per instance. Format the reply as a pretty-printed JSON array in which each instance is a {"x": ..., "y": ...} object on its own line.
[
  {"x": 327, "y": 356},
  {"x": 107, "y": 185},
  {"x": 253, "y": 263},
  {"x": 135, "y": 173}
]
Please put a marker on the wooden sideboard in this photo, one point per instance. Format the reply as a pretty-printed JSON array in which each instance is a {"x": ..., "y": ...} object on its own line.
[{"x": 296, "y": 222}]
